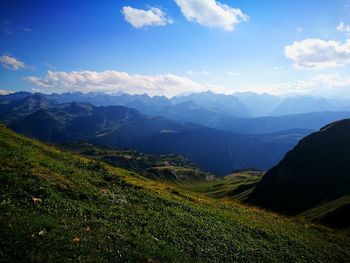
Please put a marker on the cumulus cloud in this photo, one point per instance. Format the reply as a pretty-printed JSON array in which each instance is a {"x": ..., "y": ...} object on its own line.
[
  {"x": 211, "y": 13},
  {"x": 343, "y": 28},
  {"x": 9, "y": 62},
  {"x": 139, "y": 18},
  {"x": 115, "y": 81},
  {"x": 318, "y": 54}
]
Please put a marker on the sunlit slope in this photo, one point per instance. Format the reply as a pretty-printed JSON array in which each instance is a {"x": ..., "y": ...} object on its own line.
[
  {"x": 57, "y": 206},
  {"x": 235, "y": 186}
]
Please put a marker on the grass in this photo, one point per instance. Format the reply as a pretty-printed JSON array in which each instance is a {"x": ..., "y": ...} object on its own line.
[
  {"x": 59, "y": 206},
  {"x": 235, "y": 186},
  {"x": 321, "y": 213}
]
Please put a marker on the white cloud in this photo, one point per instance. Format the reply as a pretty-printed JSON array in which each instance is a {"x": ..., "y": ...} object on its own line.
[
  {"x": 5, "y": 92},
  {"x": 11, "y": 63},
  {"x": 318, "y": 54},
  {"x": 139, "y": 18},
  {"x": 211, "y": 13},
  {"x": 343, "y": 28},
  {"x": 326, "y": 85},
  {"x": 115, "y": 81}
]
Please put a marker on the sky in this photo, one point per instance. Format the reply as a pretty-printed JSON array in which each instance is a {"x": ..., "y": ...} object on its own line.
[{"x": 168, "y": 47}]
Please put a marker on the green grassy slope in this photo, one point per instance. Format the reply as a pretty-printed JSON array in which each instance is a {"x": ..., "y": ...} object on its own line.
[
  {"x": 58, "y": 206},
  {"x": 235, "y": 186}
]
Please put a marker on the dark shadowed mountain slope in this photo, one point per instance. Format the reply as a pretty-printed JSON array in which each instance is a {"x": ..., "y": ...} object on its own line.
[
  {"x": 316, "y": 171},
  {"x": 215, "y": 150}
]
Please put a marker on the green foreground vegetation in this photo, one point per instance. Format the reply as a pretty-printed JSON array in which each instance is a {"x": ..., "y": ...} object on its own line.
[{"x": 59, "y": 206}]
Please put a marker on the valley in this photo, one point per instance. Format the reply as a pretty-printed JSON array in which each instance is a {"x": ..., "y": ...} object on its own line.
[{"x": 54, "y": 200}]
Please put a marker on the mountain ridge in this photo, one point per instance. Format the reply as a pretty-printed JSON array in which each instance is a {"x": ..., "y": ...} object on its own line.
[{"x": 315, "y": 171}]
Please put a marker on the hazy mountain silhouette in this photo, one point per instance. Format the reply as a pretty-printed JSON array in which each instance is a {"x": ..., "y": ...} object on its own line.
[
  {"x": 305, "y": 104},
  {"x": 259, "y": 104}
]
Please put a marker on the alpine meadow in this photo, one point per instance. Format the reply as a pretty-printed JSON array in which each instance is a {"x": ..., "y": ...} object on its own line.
[{"x": 175, "y": 131}]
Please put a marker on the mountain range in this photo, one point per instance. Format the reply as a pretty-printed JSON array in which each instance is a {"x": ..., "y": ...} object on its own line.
[
  {"x": 232, "y": 113},
  {"x": 234, "y": 143},
  {"x": 239, "y": 104},
  {"x": 124, "y": 128}
]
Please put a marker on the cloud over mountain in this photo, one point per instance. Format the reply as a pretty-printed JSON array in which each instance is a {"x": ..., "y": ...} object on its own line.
[{"x": 115, "y": 81}]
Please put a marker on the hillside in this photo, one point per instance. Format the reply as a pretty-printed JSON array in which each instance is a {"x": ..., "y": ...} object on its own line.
[
  {"x": 168, "y": 167},
  {"x": 235, "y": 186},
  {"x": 58, "y": 206},
  {"x": 316, "y": 171},
  {"x": 335, "y": 213}
]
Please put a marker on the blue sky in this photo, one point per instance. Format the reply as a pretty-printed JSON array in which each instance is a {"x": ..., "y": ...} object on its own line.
[{"x": 172, "y": 46}]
